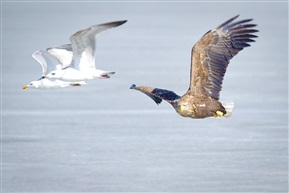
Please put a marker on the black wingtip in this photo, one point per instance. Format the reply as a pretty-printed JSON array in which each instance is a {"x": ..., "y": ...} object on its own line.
[
  {"x": 236, "y": 16},
  {"x": 113, "y": 23},
  {"x": 124, "y": 21},
  {"x": 133, "y": 86},
  {"x": 228, "y": 21},
  {"x": 120, "y": 22}
]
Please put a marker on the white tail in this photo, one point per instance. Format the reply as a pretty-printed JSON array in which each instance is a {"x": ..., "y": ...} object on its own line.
[{"x": 229, "y": 106}]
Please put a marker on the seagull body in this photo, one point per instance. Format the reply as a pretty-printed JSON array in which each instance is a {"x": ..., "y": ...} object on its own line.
[
  {"x": 82, "y": 66},
  {"x": 45, "y": 83},
  {"x": 52, "y": 59},
  {"x": 210, "y": 58}
]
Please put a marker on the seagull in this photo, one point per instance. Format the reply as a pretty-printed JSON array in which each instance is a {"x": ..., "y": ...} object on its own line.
[
  {"x": 82, "y": 66},
  {"x": 210, "y": 57},
  {"x": 51, "y": 59}
]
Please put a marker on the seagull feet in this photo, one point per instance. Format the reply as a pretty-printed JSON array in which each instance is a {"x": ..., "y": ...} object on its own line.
[
  {"x": 104, "y": 76},
  {"x": 75, "y": 84},
  {"x": 219, "y": 114}
]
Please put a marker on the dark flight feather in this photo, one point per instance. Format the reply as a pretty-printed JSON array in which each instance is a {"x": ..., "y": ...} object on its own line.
[
  {"x": 157, "y": 94},
  {"x": 213, "y": 52}
]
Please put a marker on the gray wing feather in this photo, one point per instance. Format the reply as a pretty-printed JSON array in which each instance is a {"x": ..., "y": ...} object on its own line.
[
  {"x": 84, "y": 44},
  {"x": 62, "y": 53},
  {"x": 47, "y": 61}
]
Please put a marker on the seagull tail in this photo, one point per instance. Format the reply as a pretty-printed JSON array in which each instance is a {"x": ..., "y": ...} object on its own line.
[{"x": 229, "y": 106}]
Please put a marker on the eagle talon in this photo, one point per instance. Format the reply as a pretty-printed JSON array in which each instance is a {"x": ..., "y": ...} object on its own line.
[{"x": 219, "y": 114}]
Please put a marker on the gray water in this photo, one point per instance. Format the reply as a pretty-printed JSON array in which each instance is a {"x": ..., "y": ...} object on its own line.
[{"x": 104, "y": 137}]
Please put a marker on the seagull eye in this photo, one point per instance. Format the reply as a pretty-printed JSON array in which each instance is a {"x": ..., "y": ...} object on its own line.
[
  {"x": 53, "y": 73},
  {"x": 31, "y": 84}
]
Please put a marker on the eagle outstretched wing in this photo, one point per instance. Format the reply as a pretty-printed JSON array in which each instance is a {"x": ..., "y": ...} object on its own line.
[
  {"x": 213, "y": 52},
  {"x": 157, "y": 94}
]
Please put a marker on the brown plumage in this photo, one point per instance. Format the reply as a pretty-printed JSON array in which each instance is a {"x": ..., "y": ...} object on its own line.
[{"x": 210, "y": 58}]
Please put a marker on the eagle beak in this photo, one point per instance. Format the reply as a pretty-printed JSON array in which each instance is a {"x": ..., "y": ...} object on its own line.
[{"x": 24, "y": 87}]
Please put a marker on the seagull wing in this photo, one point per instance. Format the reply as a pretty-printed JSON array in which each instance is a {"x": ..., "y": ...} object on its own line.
[
  {"x": 47, "y": 61},
  {"x": 62, "y": 53},
  {"x": 213, "y": 52},
  {"x": 84, "y": 45}
]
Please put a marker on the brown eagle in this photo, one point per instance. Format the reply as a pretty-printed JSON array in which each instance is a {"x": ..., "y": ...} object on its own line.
[{"x": 209, "y": 61}]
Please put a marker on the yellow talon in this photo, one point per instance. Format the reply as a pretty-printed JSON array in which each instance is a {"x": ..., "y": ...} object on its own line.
[
  {"x": 181, "y": 108},
  {"x": 219, "y": 114}
]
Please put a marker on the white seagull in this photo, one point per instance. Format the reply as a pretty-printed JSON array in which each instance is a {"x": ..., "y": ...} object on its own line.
[
  {"x": 82, "y": 66},
  {"x": 50, "y": 60}
]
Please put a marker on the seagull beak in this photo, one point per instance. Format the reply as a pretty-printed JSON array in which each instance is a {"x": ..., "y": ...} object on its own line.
[
  {"x": 44, "y": 76},
  {"x": 24, "y": 87}
]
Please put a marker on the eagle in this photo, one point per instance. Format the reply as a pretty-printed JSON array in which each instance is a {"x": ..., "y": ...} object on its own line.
[{"x": 210, "y": 57}]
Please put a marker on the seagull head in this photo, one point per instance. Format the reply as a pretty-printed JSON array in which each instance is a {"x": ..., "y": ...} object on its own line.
[{"x": 33, "y": 84}]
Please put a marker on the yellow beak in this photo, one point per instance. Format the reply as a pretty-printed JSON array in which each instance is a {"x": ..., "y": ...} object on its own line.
[{"x": 24, "y": 87}]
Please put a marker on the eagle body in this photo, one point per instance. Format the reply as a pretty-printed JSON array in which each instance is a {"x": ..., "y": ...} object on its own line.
[{"x": 198, "y": 107}]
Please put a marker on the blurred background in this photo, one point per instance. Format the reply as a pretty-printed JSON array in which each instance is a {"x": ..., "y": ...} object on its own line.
[{"x": 104, "y": 137}]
